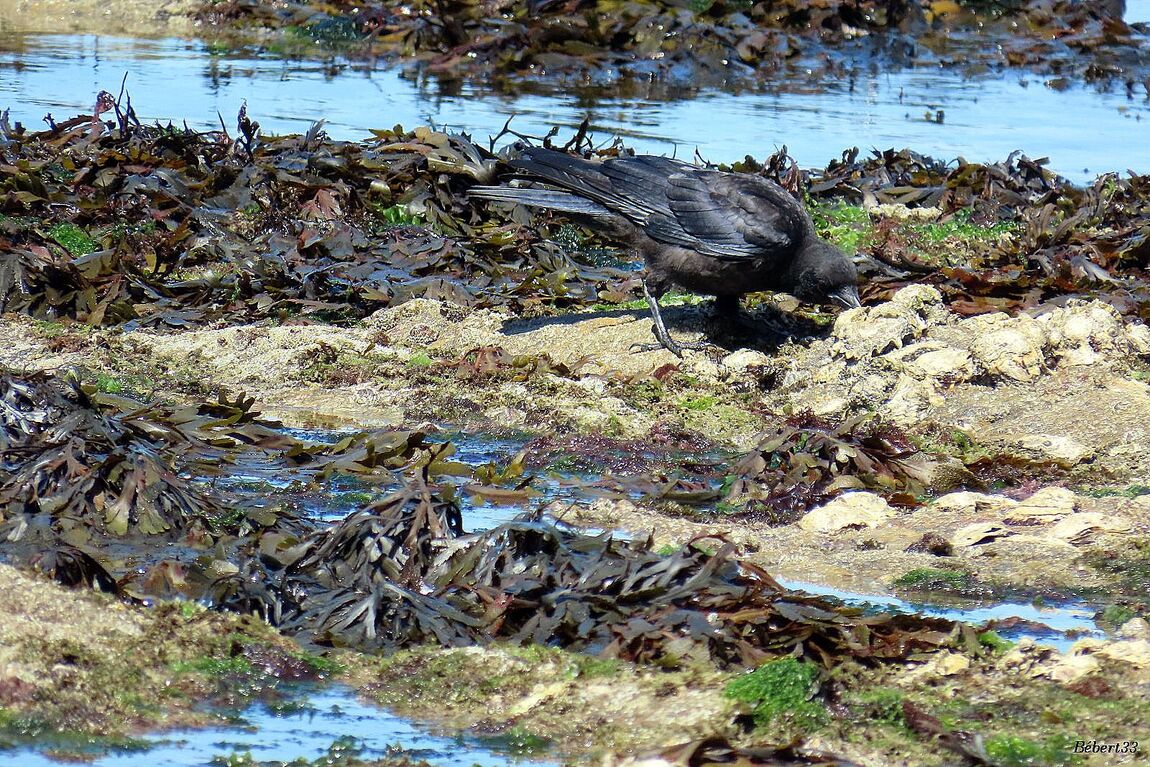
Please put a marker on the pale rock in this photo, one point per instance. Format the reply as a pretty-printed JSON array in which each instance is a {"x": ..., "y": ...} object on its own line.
[
  {"x": 903, "y": 213},
  {"x": 871, "y": 331},
  {"x": 1135, "y": 628},
  {"x": 1084, "y": 527},
  {"x": 978, "y": 533},
  {"x": 746, "y": 359},
  {"x": 1025, "y": 656},
  {"x": 1007, "y": 346},
  {"x": 1136, "y": 652},
  {"x": 848, "y": 510},
  {"x": 1087, "y": 645},
  {"x": 1082, "y": 332},
  {"x": 1049, "y": 504},
  {"x": 911, "y": 399},
  {"x": 943, "y": 664},
  {"x": 930, "y": 359},
  {"x": 1063, "y": 450},
  {"x": 1071, "y": 668},
  {"x": 967, "y": 503},
  {"x": 593, "y": 384},
  {"x": 540, "y": 694},
  {"x": 1139, "y": 337}
]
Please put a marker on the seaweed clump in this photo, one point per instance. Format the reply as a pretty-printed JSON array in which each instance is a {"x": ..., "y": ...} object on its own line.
[
  {"x": 807, "y": 460},
  {"x": 114, "y": 222},
  {"x": 400, "y": 572}
]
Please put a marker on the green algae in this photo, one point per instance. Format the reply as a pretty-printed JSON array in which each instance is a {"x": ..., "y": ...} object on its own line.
[
  {"x": 780, "y": 694},
  {"x": 1015, "y": 751},
  {"x": 72, "y": 238},
  {"x": 935, "y": 579}
]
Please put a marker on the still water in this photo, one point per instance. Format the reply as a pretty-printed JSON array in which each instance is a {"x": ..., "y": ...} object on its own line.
[
  {"x": 1082, "y": 130},
  {"x": 303, "y": 725}
]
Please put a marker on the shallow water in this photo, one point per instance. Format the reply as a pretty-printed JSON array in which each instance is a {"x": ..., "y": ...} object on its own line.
[
  {"x": 305, "y": 724},
  {"x": 1066, "y": 623},
  {"x": 1083, "y": 131}
]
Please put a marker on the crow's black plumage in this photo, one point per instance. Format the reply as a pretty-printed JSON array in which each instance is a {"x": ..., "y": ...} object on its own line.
[{"x": 710, "y": 232}]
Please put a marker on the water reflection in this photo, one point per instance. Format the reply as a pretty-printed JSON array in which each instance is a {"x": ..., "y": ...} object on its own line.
[
  {"x": 303, "y": 725},
  {"x": 1083, "y": 130}
]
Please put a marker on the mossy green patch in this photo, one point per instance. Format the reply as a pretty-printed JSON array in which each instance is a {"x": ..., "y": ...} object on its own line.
[
  {"x": 878, "y": 704},
  {"x": 236, "y": 666},
  {"x": 1113, "y": 616},
  {"x": 847, "y": 226},
  {"x": 419, "y": 360},
  {"x": 702, "y": 402},
  {"x": 72, "y": 238},
  {"x": 400, "y": 215},
  {"x": 1015, "y": 751},
  {"x": 780, "y": 692},
  {"x": 994, "y": 642},
  {"x": 934, "y": 579}
]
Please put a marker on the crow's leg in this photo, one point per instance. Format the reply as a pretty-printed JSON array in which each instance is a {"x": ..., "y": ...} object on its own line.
[{"x": 660, "y": 330}]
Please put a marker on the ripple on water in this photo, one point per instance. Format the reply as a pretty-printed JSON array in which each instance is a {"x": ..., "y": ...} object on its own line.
[
  {"x": 317, "y": 717},
  {"x": 987, "y": 116}
]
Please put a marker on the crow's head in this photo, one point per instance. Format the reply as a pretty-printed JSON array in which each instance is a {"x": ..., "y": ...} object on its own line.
[{"x": 821, "y": 271}]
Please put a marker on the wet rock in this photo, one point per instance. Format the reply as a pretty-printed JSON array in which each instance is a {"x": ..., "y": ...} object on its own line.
[
  {"x": 942, "y": 664},
  {"x": 849, "y": 510},
  {"x": 910, "y": 400},
  {"x": 932, "y": 359},
  {"x": 1083, "y": 528},
  {"x": 1071, "y": 668},
  {"x": 966, "y": 503},
  {"x": 871, "y": 331},
  {"x": 1004, "y": 346},
  {"x": 747, "y": 362},
  {"x": 1139, "y": 337},
  {"x": 1084, "y": 332},
  {"x": 932, "y": 543},
  {"x": 1065, "y": 451},
  {"x": 977, "y": 534},
  {"x": 1135, "y": 652},
  {"x": 1026, "y": 657},
  {"x": 1049, "y": 504},
  {"x": 1135, "y": 628}
]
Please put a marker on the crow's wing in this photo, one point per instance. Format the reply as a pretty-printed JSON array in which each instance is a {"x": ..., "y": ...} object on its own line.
[
  {"x": 729, "y": 216},
  {"x": 633, "y": 187}
]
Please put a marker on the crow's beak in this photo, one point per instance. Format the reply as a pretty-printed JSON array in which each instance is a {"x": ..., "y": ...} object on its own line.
[{"x": 847, "y": 296}]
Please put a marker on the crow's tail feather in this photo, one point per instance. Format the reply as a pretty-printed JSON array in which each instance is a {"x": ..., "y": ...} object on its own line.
[{"x": 540, "y": 198}]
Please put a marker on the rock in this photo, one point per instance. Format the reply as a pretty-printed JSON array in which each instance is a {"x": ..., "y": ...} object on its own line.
[
  {"x": 1080, "y": 529},
  {"x": 967, "y": 503},
  {"x": 931, "y": 543},
  {"x": 849, "y": 510},
  {"x": 930, "y": 359},
  {"x": 1138, "y": 335},
  {"x": 1070, "y": 668},
  {"x": 1135, "y": 628},
  {"x": 910, "y": 400},
  {"x": 871, "y": 331},
  {"x": 744, "y": 360},
  {"x": 1005, "y": 346},
  {"x": 1065, "y": 451},
  {"x": 949, "y": 664},
  {"x": 1049, "y": 504},
  {"x": 1136, "y": 652},
  {"x": 978, "y": 533},
  {"x": 1025, "y": 656},
  {"x": 1083, "y": 332}
]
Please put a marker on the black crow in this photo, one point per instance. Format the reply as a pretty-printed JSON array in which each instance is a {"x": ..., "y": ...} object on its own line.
[{"x": 710, "y": 232}]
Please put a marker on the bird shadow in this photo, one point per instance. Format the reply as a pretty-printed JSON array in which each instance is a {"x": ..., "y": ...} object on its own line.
[{"x": 764, "y": 328}]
